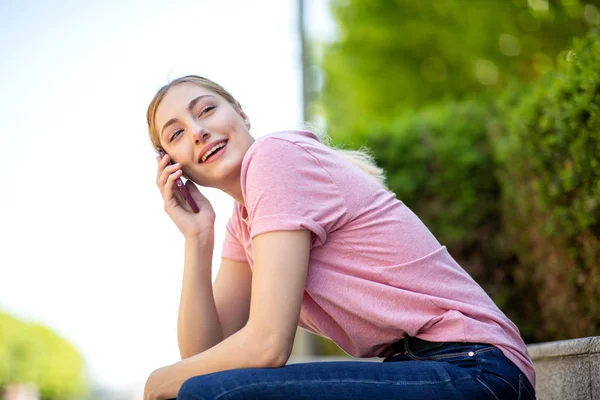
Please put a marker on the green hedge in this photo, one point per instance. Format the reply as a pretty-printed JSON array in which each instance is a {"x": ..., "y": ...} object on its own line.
[
  {"x": 549, "y": 149},
  {"x": 32, "y": 353}
]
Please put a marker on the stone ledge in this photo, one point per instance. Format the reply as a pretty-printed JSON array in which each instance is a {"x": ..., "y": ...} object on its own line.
[
  {"x": 564, "y": 348},
  {"x": 567, "y": 369}
]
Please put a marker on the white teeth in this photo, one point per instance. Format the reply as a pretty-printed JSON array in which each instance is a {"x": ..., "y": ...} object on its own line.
[{"x": 208, "y": 153}]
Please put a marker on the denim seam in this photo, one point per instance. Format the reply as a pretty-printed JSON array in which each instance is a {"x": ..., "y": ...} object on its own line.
[
  {"x": 523, "y": 385},
  {"x": 330, "y": 381},
  {"x": 528, "y": 391},
  {"x": 508, "y": 383},
  {"x": 487, "y": 387},
  {"x": 481, "y": 372},
  {"x": 477, "y": 378},
  {"x": 414, "y": 357}
]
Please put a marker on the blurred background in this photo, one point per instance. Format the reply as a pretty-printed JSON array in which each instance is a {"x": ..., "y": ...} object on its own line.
[{"x": 485, "y": 116}]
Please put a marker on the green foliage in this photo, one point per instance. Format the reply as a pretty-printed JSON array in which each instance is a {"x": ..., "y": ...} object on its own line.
[
  {"x": 32, "y": 353},
  {"x": 393, "y": 56},
  {"x": 550, "y": 152}
]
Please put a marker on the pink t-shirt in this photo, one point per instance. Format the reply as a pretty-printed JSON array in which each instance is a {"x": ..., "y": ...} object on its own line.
[{"x": 376, "y": 273}]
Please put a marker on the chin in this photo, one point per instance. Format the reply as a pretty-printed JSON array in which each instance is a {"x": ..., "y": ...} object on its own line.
[{"x": 221, "y": 177}]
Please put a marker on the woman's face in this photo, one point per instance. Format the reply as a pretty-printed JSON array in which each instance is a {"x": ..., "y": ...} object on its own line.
[{"x": 191, "y": 120}]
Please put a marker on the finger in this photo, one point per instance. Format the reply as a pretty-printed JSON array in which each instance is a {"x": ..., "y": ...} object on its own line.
[
  {"x": 162, "y": 163},
  {"x": 170, "y": 185},
  {"x": 166, "y": 172}
]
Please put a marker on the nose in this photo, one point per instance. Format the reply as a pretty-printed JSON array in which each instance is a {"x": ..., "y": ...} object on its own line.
[{"x": 199, "y": 134}]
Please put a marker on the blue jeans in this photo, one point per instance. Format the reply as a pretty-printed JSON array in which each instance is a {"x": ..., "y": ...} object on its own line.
[{"x": 450, "y": 371}]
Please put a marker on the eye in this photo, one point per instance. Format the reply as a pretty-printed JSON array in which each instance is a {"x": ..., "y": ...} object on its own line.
[
  {"x": 206, "y": 109},
  {"x": 174, "y": 135}
]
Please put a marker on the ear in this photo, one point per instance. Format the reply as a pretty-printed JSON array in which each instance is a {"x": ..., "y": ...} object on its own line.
[
  {"x": 244, "y": 116},
  {"x": 246, "y": 120}
]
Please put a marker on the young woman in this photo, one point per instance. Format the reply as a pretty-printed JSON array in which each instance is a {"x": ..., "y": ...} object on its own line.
[{"x": 315, "y": 240}]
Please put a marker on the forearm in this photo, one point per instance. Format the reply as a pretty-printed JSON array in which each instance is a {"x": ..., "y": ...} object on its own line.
[
  {"x": 246, "y": 348},
  {"x": 198, "y": 326}
]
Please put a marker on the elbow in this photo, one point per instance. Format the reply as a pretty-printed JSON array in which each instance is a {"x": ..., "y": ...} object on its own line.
[
  {"x": 278, "y": 358},
  {"x": 274, "y": 348},
  {"x": 275, "y": 352},
  {"x": 274, "y": 359}
]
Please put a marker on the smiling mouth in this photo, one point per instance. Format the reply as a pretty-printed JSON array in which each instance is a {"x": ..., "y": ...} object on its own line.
[{"x": 215, "y": 153}]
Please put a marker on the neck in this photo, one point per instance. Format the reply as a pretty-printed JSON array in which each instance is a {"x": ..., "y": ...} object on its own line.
[{"x": 235, "y": 191}]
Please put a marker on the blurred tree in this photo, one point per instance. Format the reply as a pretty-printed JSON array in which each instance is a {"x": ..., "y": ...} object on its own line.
[
  {"x": 32, "y": 353},
  {"x": 393, "y": 56}
]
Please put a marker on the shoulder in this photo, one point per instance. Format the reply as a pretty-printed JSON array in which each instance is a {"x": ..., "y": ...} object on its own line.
[
  {"x": 279, "y": 139},
  {"x": 281, "y": 159},
  {"x": 291, "y": 135},
  {"x": 279, "y": 146}
]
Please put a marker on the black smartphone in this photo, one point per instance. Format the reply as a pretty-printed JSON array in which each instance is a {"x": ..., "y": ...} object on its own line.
[{"x": 184, "y": 190}]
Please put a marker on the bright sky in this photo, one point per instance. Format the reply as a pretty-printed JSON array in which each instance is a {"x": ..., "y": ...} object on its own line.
[{"x": 85, "y": 245}]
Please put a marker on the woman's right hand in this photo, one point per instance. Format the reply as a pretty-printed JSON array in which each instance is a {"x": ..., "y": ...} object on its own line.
[{"x": 192, "y": 225}]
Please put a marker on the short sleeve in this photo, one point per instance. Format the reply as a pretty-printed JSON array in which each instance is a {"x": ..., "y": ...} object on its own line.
[
  {"x": 287, "y": 188},
  {"x": 232, "y": 247}
]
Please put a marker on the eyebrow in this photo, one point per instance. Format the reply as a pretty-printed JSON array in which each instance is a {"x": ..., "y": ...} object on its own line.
[{"x": 190, "y": 106}]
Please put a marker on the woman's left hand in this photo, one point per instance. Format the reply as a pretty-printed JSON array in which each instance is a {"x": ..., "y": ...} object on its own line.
[{"x": 158, "y": 385}]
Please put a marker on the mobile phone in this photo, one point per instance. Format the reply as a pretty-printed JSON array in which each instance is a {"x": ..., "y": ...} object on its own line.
[{"x": 184, "y": 190}]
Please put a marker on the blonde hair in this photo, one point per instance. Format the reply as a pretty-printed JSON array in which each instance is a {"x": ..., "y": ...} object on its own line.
[{"x": 361, "y": 158}]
